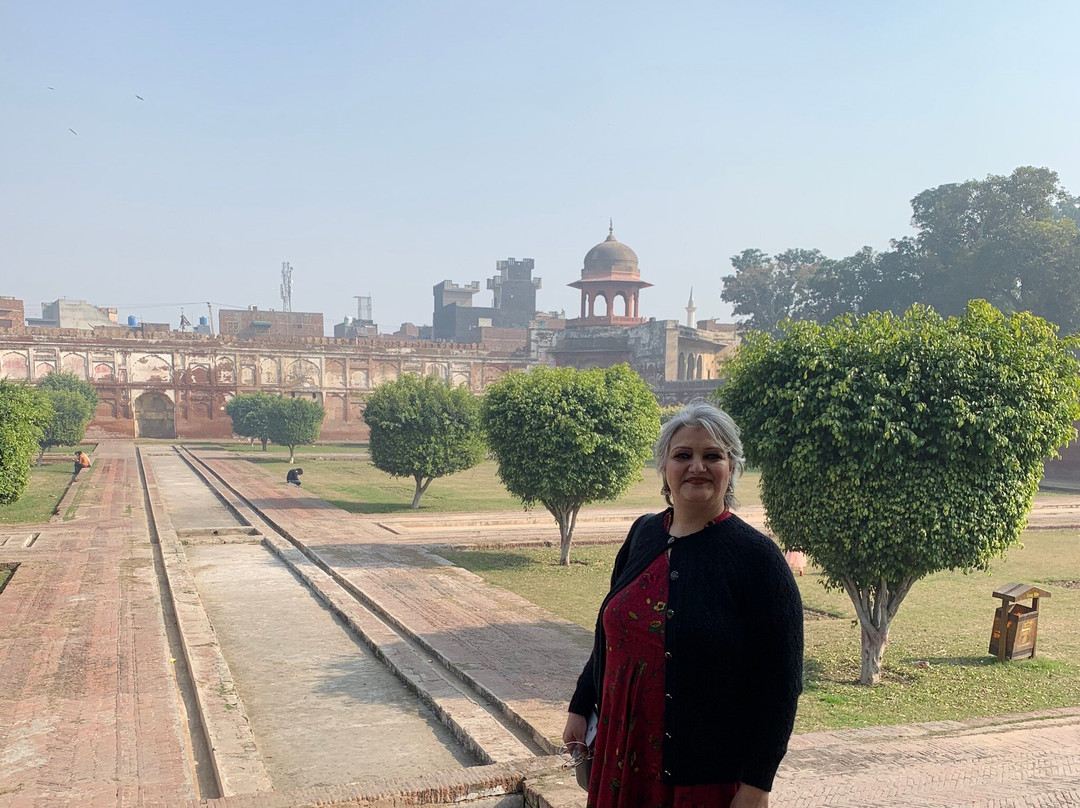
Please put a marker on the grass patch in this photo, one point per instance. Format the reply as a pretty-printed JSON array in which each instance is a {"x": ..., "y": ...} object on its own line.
[
  {"x": 48, "y": 482},
  {"x": 5, "y": 573},
  {"x": 945, "y": 621},
  {"x": 359, "y": 487}
]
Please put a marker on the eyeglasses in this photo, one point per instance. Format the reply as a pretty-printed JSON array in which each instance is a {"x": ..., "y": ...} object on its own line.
[{"x": 577, "y": 756}]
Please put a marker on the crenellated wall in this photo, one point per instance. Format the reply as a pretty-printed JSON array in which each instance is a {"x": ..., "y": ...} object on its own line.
[{"x": 177, "y": 384}]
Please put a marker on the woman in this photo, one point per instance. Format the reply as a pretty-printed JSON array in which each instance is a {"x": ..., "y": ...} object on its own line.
[{"x": 697, "y": 663}]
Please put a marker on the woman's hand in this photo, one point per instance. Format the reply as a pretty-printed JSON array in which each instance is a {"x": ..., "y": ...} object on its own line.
[
  {"x": 750, "y": 797},
  {"x": 573, "y": 734}
]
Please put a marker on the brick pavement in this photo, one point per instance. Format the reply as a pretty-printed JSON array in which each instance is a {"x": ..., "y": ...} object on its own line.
[{"x": 89, "y": 714}]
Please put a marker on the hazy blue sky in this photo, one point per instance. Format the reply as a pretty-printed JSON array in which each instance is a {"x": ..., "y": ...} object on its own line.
[{"x": 384, "y": 147}]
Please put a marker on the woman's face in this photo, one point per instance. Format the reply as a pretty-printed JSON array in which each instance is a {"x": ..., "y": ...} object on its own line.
[{"x": 697, "y": 470}]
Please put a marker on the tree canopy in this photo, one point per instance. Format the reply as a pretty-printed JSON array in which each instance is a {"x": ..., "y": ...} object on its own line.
[
  {"x": 250, "y": 415},
  {"x": 294, "y": 422},
  {"x": 1012, "y": 240},
  {"x": 423, "y": 428},
  {"x": 565, "y": 438},
  {"x": 893, "y": 447},
  {"x": 72, "y": 383},
  {"x": 24, "y": 413}
]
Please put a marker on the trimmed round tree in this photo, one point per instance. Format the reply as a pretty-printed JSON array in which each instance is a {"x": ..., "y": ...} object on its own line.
[
  {"x": 423, "y": 428},
  {"x": 565, "y": 437},
  {"x": 24, "y": 412},
  {"x": 67, "y": 380},
  {"x": 71, "y": 412},
  {"x": 894, "y": 447},
  {"x": 250, "y": 416},
  {"x": 294, "y": 422}
]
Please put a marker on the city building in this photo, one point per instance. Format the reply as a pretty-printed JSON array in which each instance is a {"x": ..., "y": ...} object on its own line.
[
  {"x": 252, "y": 323},
  {"x": 64, "y": 313}
]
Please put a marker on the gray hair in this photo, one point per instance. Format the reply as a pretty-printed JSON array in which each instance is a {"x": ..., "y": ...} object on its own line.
[{"x": 721, "y": 428}]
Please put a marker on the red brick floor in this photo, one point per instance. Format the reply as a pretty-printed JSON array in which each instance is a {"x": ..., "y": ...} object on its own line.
[{"x": 89, "y": 713}]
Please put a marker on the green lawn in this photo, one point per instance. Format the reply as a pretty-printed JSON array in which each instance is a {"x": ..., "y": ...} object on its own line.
[
  {"x": 945, "y": 621},
  {"x": 48, "y": 482},
  {"x": 359, "y": 487}
]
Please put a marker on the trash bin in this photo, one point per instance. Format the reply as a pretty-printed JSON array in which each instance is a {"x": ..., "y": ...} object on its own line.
[{"x": 1016, "y": 625}]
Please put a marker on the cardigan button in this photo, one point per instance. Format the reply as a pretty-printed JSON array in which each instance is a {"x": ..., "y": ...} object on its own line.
[
  {"x": 671, "y": 540},
  {"x": 667, "y": 695},
  {"x": 667, "y": 734},
  {"x": 667, "y": 655},
  {"x": 670, "y": 613},
  {"x": 674, "y": 575},
  {"x": 667, "y": 773}
]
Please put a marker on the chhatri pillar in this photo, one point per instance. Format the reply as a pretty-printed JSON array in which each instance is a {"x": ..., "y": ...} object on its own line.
[{"x": 610, "y": 274}]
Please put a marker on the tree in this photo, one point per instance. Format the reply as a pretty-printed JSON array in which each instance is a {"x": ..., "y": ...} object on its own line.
[
  {"x": 768, "y": 290},
  {"x": 24, "y": 412},
  {"x": 250, "y": 415},
  {"x": 894, "y": 447},
  {"x": 72, "y": 383},
  {"x": 565, "y": 438},
  {"x": 71, "y": 412},
  {"x": 423, "y": 428},
  {"x": 1012, "y": 240},
  {"x": 294, "y": 422}
]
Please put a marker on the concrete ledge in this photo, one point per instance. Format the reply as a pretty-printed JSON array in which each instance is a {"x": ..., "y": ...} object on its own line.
[
  {"x": 237, "y": 765},
  {"x": 457, "y": 787},
  {"x": 472, "y": 725}
]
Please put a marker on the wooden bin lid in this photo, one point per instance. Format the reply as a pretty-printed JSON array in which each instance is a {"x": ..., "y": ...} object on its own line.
[{"x": 1011, "y": 592}]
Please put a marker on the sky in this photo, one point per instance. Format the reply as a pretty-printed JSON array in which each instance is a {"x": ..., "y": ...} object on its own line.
[{"x": 383, "y": 147}]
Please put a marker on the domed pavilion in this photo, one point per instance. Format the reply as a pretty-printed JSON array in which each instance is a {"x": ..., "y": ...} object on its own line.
[{"x": 610, "y": 285}]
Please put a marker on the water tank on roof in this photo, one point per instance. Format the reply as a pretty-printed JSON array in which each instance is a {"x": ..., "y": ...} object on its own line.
[
  {"x": 203, "y": 321},
  {"x": 133, "y": 320}
]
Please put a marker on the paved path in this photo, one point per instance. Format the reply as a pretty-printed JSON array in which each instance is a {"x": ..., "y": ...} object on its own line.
[{"x": 89, "y": 714}]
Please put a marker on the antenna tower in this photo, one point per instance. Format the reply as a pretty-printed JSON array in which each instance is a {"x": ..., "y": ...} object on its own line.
[{"x": 286, "y": 286}]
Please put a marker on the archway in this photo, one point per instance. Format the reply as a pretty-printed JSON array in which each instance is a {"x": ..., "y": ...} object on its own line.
[{"x": 154, "y": 416}]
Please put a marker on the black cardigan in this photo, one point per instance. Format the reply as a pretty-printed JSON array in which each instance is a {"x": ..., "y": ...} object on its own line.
[{"x": 733, "y": 646}]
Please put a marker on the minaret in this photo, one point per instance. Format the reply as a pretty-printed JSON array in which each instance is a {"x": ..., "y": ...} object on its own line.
[{"x": 690, "y": 309}]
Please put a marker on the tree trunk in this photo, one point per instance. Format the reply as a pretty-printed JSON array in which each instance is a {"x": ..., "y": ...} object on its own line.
[
  {"x": 876, "y": 607},
  {"x": 567, "y": 519},
  {"x": 264, "y": 442},
  {"x": 419, "y": 492},
  {"x": 41, "y": 454},
  {"x": 251, "y": 442},
  {"x": 292, "y": 454}
]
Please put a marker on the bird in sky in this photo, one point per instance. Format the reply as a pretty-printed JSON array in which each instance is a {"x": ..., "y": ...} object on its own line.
[
  {"x": 50, "y": 88},
  {"x": 140, "y": 97},
  {"x": 72, "y": 131}
]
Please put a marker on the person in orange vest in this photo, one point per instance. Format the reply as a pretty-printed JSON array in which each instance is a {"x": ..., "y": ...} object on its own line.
[{"x": 81, "y": 461}]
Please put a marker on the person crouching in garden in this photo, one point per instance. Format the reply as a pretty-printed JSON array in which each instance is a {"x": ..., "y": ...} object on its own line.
[
  {"x": 696, "y": 666},
  {"x": 293, "y": 477}
]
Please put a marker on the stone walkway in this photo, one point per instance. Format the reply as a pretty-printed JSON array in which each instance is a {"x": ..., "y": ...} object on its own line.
[{"x": 89, "y": 713}]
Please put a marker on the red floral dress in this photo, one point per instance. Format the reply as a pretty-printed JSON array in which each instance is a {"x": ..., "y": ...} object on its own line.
[{"x": 627, "y": 764}]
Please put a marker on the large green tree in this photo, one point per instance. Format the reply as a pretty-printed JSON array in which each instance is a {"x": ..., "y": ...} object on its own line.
[
  {"x": 24, "y": 412},
  {"x": 894, "y": 447},
  {"x": 768, "y": 289},
  {"x": 565, "y": 438},
  {"x": 71, "y": 412},
  {"x": 250, "y": 415},
  {"x": 294, "y": 422},
  {"x": 1013, "y": 240},
  {"x": 423, "y": 428}
]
